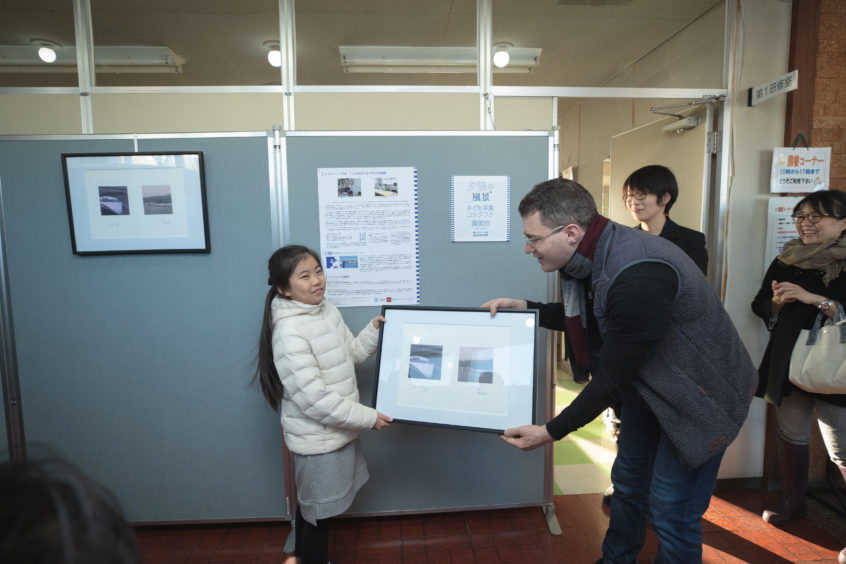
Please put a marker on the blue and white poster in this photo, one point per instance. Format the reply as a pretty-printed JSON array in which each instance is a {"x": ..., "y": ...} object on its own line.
[
  {"x": 368, "y": 235},
  {"x": 780, "y": 226},
  {"x": 481, "y": 208}
]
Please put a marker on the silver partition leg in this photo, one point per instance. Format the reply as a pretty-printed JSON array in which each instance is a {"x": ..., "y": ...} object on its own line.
[
  {"x": 289, "y": 542},
  {"x": 551, "y": 519},
  {"x": 9, "y": 379}
]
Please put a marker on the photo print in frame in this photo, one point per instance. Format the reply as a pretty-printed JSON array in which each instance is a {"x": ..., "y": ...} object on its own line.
[{"x": 457, "y": 367}]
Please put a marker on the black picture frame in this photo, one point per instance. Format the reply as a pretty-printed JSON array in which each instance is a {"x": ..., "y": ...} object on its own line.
[
  {"x": 132, "y": 203},
  {"x": 457, "y": 367}
]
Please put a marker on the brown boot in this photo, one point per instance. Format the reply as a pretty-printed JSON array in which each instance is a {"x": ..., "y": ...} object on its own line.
[{"x": 793, "y": 462}]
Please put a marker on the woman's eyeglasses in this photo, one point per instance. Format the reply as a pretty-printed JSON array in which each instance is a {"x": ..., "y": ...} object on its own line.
[
  {"x": 634, "y": 196},
  {"x": 811, "y": 217}
]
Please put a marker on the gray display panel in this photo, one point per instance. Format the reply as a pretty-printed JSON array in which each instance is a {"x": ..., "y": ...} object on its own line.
[
  {"x": 136, "y": 368},
  {"x": 413, "y": 468}
]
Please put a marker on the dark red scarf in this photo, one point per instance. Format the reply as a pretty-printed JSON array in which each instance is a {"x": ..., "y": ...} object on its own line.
[{"x": 578, "y": 269}]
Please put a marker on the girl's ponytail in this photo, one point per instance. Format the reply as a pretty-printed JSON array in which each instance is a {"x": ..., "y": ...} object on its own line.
[
  {"x": 266, "y": 375},
  {"x": 280, "y": 267}
]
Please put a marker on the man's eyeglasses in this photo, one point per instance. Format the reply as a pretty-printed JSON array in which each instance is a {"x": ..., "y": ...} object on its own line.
[
  {"x": 811, "y": 217},
  {"x": 634, "y": 196},
  {"x": 530, "y": 241}
]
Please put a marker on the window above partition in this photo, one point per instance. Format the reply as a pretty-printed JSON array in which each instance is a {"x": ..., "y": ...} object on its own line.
[
  {"x": 184, "y": 42},
  {"x": 27, "y": 26},
  {"x": 621, "y": 43},
  {"x": 145, "y": 42},
  {"x": 380, "y": 42},
  {"x": 355, "y": 43}
]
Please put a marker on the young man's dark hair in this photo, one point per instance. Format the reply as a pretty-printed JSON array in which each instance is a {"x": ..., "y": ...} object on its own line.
[{"x": 653, "y": 179}]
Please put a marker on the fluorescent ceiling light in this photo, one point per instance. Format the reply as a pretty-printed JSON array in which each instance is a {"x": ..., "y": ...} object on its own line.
[
  {"x": 113, "y": 59},
  {"x": 377, "y": 58}
]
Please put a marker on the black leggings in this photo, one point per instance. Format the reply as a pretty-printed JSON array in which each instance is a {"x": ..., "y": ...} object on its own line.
[{"x": 311, "y": 543}]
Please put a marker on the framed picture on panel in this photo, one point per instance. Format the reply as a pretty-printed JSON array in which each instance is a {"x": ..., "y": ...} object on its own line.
[
  {"x": 457, "y": 367},
  {"x": 129, "y": 203}
]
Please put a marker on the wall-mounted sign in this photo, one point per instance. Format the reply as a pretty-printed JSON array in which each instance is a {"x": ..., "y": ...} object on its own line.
[
  {"x": 800, "y": 170},
  {"x": 773, "y": 88}
]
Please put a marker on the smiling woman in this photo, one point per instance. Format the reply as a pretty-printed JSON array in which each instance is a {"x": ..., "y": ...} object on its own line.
[{"x": 806, "y": 279}]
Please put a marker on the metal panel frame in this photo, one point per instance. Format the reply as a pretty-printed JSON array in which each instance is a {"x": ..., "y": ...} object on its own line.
[{"x": 9, "y": 365}]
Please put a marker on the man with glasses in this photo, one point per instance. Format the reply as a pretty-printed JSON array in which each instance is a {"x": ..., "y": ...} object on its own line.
[{"x": 638, "y": 312}]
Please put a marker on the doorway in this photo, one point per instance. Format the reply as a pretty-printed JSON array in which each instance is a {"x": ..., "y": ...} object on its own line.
[{"x": 634, "y": 136}]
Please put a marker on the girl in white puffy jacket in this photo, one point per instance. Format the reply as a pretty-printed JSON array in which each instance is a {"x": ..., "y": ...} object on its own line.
[{"x": 306, "y": 369}]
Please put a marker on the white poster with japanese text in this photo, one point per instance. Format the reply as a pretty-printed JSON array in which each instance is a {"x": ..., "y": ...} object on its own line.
[
  {"x": 481, "y": 208},
  {"x": 780, "y": 226},
  {"x": 368, "y": 235},
  {"x": 800, "y": 170}
]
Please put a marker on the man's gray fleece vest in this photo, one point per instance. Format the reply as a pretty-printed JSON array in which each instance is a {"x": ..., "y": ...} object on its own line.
[{"x": 699, "y": 379}]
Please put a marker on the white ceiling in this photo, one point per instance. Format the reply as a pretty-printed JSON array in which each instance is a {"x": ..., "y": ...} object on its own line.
[{"x": 584, "y": 42}]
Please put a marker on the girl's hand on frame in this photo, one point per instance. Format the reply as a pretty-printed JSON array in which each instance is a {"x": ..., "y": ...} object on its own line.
[
  {"x": 382, "y": 421},
  {"x": 378, "y": 321}
]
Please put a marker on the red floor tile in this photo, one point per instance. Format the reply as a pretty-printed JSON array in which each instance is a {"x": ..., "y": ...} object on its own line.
[{"x": 733, "y": 532}]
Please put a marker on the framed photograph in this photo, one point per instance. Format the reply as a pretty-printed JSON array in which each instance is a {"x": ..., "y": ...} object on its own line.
[
  {"x": 127, "y": 203},
  {"x": 457, "y": 367}
]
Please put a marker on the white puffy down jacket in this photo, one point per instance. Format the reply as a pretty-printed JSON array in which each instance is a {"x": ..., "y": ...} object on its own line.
[{"x": 315, "y": 354}]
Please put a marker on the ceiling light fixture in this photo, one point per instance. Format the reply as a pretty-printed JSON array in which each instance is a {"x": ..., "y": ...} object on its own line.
[
  {"x": 501, "y": 56},
  {"x": 274, "y": 55},
  {"x": 47, "y": 54},
  {"x": 112, "y": 59},
  {"x": 394, "y": 59},
  {"x": 46, "y": 49}
]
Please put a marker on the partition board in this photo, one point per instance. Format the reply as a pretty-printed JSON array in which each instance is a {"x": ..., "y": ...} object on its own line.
[
  {"x": 415, "y": 468},
  {"x": 136, "y": 367}
]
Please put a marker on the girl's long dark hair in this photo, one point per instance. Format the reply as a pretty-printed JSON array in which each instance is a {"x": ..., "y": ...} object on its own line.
[{"x": 280, "y": 267}]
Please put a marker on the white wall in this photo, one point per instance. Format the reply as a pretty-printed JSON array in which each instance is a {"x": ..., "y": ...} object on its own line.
[
  {"x": 517, "y": 114},
  {"x": 134, "y": 112},
  {"x": 386, "y": 111},
  {"x": 40, "y": 114},
  {"x": 179, "y": 113},
  {"x": 755, "y": 131}
]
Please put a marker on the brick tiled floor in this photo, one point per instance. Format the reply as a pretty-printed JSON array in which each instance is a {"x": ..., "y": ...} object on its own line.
[{"x": 732, "y": 529}]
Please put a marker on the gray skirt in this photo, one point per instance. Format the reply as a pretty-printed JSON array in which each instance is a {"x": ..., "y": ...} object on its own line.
[{"x": 327, "y": 483}]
